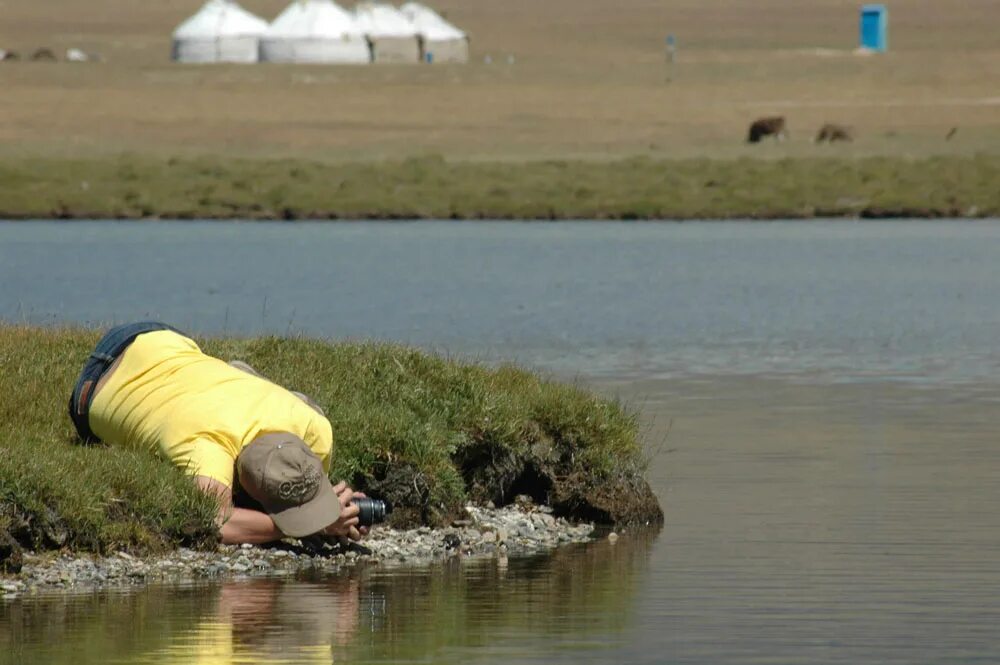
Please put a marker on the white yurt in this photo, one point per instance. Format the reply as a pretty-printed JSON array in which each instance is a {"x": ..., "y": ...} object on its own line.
[
  {"x": 221, "y": 31},
  {"x": 440, "y": 40},
  {"x": 392, "y": 36},
  {"x": 314, "y": 31}
]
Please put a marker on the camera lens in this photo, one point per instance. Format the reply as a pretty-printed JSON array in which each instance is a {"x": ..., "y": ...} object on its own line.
[{"x": 372, "y": 511}]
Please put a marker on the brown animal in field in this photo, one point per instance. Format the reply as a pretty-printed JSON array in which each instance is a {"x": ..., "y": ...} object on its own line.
[
  {"x": 831, "y": 132},
  {"x": 772, "y": 126},
  {"x": 8, "y": 56},
  {"x": 43, "y": 55}
]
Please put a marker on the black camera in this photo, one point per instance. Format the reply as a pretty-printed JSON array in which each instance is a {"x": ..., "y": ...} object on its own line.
[{"x": 372, "y": 511}]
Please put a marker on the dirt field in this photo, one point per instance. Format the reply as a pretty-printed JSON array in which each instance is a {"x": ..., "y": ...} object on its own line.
[{"x": 589, "y": 79}]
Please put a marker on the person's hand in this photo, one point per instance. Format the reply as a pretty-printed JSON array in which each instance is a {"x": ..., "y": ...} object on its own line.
[{"x": 347, "y": 523}]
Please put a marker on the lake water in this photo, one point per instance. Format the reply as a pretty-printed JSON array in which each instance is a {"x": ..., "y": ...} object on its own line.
[
  {"x": 842, "y": 299},
  {"x": 820, "y": 400}
]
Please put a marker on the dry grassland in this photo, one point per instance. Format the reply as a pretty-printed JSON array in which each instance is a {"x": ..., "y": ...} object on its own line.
[{"x": 589, "y": 80}]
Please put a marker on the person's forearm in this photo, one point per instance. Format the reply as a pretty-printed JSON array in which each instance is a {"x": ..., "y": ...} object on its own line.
[{"x": 249, "y": 526}]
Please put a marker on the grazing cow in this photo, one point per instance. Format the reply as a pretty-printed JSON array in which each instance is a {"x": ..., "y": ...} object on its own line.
[
  {"x": 43, "y": 55},
  {"x": 831, "y": 133},
  {"x": 761, "y": 127}
]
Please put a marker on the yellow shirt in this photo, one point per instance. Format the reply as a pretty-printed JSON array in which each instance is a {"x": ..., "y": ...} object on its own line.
[{"x": 168, "y": 397}]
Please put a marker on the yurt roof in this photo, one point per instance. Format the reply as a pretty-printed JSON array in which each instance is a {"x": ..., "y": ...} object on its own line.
[
  {"x": 220, "y": 18},
  {"x": 429, "y": 23},
  {"x": 314, "y": 18},
  {"x": 383, "y": 20}
]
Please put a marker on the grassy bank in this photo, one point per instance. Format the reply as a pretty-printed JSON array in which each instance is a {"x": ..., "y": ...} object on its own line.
[
  {"x": 421, "y": 431},
  {"x": 431, "y": 187}
]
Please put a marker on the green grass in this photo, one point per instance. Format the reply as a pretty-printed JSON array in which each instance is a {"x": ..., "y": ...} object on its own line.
[
  {"x": 53, "y": 492},
  {"x": 427, "y": 433},
  {"x": 431, "y": 187}
]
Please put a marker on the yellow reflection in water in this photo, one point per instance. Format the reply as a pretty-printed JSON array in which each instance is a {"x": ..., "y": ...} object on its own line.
[{"x": 269, "y": 621}]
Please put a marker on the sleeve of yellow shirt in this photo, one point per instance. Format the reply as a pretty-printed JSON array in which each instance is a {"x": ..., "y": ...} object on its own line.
[{"x": 203, "y": 457}]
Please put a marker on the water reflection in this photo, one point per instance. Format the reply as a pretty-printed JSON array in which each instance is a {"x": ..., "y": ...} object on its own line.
[
  {"x": 449, "y": 612},
  {"x": 97, "y": 627},
  {"x": 267, "y": 621},
  {"x": 578, "y": 597}
]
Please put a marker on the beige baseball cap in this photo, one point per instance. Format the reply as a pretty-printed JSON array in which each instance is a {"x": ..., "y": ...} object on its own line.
[{"x": 282, "y": 474}]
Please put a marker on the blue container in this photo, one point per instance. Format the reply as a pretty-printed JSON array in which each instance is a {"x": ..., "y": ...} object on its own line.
[{"x": 875, "y": 27}]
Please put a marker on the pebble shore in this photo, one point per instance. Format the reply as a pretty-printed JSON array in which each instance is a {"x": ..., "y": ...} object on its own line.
[{"x": 512, "y": 530}]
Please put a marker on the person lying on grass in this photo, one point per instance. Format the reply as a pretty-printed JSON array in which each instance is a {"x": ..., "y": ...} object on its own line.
[{"x": 148, "y": 386}]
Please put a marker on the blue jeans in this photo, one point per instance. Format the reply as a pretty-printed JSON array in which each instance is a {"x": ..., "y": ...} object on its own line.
[{"x": 112, "y": 345}]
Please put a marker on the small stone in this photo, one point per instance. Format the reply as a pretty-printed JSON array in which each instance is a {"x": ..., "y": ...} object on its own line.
[
  {"x": 246, "y": 546},
  {"x": 543, "y": 520},
  {"x": 612, "y": 537}
]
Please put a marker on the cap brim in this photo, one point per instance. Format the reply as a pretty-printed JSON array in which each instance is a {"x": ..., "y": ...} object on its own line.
[{"x": 316, "y": 514}]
